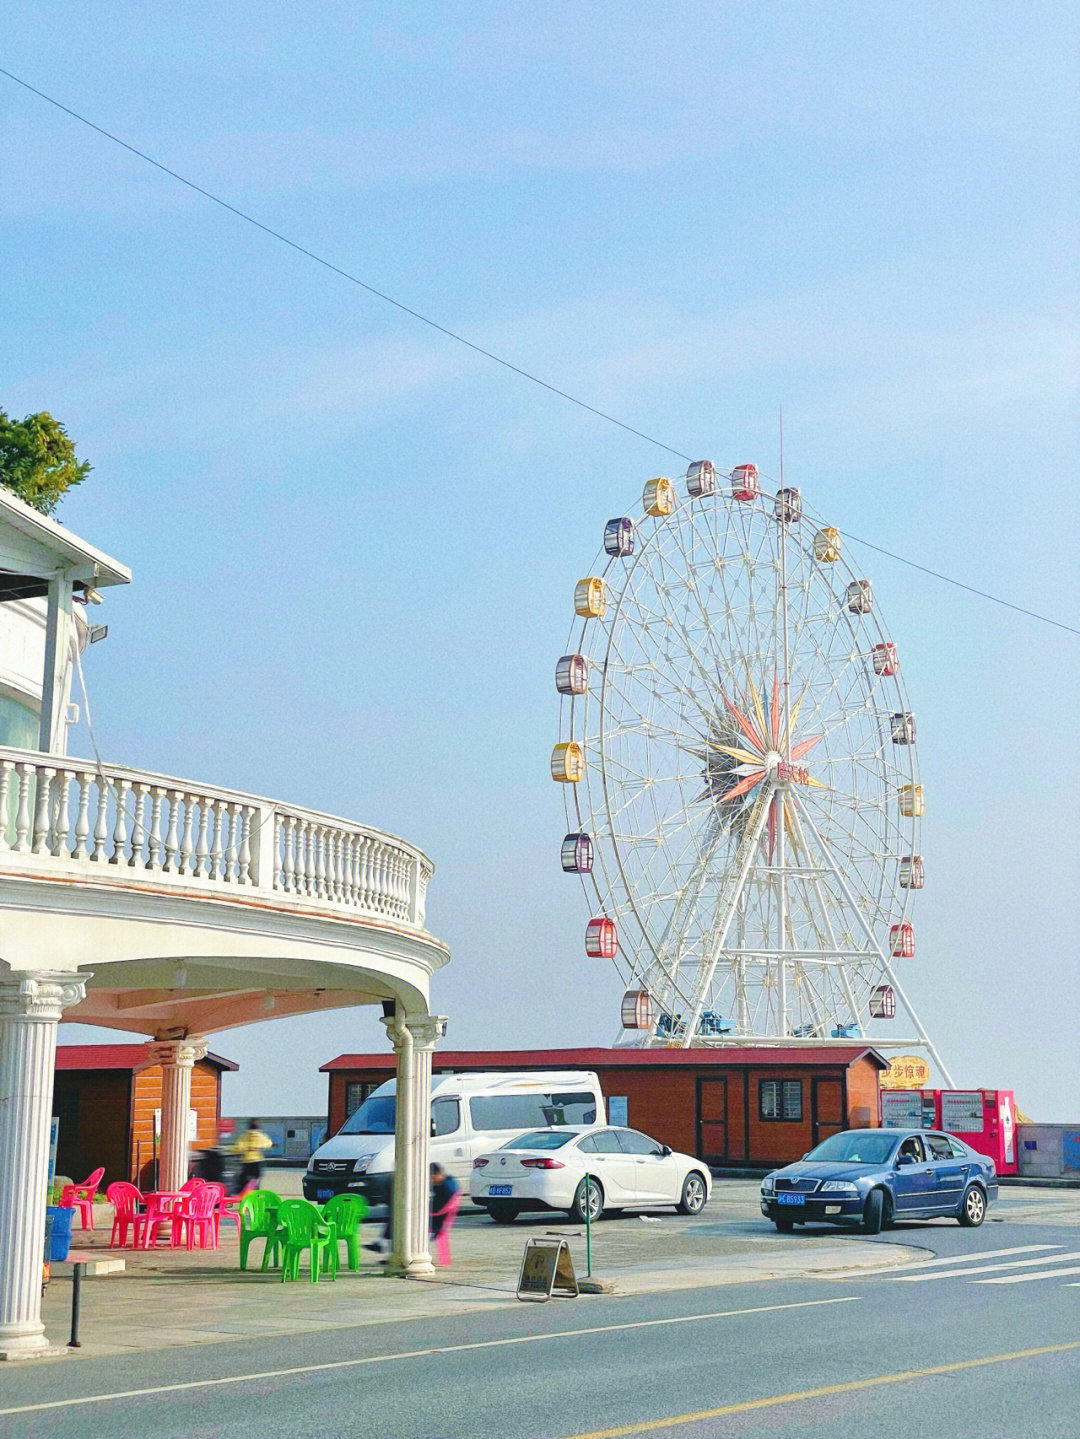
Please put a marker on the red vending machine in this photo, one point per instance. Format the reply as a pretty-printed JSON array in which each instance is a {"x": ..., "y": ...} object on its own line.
[{"x": 985, "y": 1119}]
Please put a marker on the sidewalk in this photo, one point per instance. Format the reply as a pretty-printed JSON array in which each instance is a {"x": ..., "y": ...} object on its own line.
[{"x": 169, "y": 1297}]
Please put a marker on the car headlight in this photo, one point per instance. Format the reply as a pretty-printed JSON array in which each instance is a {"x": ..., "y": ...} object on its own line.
[
  {"x": 767, "y": 1185},
  {"x": 839, "y": 1186},
  {"x": 362, "y": 1164}
]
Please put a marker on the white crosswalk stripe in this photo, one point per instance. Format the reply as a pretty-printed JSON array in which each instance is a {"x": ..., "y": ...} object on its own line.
[
  {"x": 978, "y": 1268},
  {"x": 1024, "y": 1278},
  {"x": 988, "y": 1254}
]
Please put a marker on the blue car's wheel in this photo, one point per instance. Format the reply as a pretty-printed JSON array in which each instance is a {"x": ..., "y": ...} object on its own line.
[
  {"x": 873, "y": 1216},
  {"x": 973, "y": 1209}
]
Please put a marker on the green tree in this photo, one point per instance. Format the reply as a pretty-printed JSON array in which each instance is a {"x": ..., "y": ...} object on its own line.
[{"x": 37, "y": 460}]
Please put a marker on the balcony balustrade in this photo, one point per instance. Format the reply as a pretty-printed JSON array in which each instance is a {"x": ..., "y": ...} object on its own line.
[{"x": 74, "y": 817}]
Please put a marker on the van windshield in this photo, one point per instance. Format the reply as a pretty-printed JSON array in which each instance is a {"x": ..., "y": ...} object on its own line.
[{"x": 375, "y": 1116}]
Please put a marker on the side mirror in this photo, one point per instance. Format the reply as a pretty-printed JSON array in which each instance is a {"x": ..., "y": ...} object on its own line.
[
  {"x": 665, "y": 1150},
  {"x": 433, "y": 1129},
  {"x": 904, "y": 1161}
]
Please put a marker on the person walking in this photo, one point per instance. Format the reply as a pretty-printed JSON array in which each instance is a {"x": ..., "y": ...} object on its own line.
[
  {"x": 250, "y": 1148},
  {"x": 443, "y": 1188}
]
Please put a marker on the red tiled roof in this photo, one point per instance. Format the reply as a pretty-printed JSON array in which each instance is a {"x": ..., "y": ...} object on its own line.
[
  {"x": 117, "y": 1056},
  {"x": 481, "y": 1059}
]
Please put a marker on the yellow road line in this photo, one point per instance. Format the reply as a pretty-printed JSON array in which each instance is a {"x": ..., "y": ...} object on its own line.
[
  {"x": 417, "y": 1354},
  {"x": 698, "y": 1416}
]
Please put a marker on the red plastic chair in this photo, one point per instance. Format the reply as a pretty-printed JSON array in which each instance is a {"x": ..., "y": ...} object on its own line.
[
  {"x": 198, "y": 1218},
  {"x": 191, "y": 1185},
  {"x": 125, "y": 1200},
  {"x": 81, "y": 1197},
  {"x": 448, "y": 1213}
]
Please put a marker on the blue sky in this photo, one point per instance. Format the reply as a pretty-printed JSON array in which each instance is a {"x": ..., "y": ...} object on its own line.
[{"x": 355, "y": 542}]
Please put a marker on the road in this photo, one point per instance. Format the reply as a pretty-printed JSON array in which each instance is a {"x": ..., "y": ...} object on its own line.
[{"x": 982, "y": 1341}]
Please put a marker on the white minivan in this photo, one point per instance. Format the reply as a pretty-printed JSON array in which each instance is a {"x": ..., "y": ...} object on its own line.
[{"x": 470, "y": 1115}]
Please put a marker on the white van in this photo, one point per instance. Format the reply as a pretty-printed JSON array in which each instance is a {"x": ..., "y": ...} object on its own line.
[{"x": 470, "y": 1114}]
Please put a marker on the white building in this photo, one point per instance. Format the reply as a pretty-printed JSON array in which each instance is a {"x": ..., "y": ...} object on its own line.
[{"x": 171, "y": 909}]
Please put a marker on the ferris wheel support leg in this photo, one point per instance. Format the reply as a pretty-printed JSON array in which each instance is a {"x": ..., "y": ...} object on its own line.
[
  {"x": 845, "y": 978},
  {"x": 864, "y": 926},
  {"x": 710, "y": 967}
]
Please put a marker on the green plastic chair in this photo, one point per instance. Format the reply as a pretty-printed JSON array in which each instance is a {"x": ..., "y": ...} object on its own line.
[
  {"x": 258, "y": 1220},
  {"x": 347, "y": 1212},
  {"x": 303, "y": 1227}
]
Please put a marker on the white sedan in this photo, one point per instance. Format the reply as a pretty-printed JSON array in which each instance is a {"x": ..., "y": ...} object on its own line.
[{"x": 547, "y": 1169}]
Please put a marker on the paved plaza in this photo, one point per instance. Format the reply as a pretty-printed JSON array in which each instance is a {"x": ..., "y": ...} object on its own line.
[{"x": 167, "y": 1297}]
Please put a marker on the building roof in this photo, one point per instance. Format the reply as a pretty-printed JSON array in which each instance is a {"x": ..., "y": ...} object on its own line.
[
  {"x": 117, "y": 1056},
  {"x": 34, "y": 546},
  {"x": 728, "y": 1054}
]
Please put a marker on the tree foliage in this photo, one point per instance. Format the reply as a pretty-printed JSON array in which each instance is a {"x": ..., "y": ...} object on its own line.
[{"x": 37, "y": 460}]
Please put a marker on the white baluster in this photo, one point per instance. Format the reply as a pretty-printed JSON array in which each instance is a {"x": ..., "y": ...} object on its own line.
[
  {"x": 320, "y": 860},
  {"x": 82, "y": 819},
  {"x": 101, "y": 823},
  {"x": 311, "y": 840},
  {"x": 232, "y": 841},
  {"x": 348, "y": 866},
  {"x": 7, "y": 767},
  {"x": 62, "y": 822},
  {"x": 172, "y": 835},
  {"x": 22, "y": 818},
  {"x": 157, "y": 794},
  {"x": 338, "y": 841},
  {"x": 202, "y": 867},
  {"x": 247, "y": 816},
  {"x": 217, "y": 854},
  {"x": 136, "y": 858},
  {"x": 41, "y": 817},
  {"x": 288, "y": 839},
  {"x": 187, "y": 842},
  {"x": 365, "y": 873},
  {"x": 120, "y": 832}
]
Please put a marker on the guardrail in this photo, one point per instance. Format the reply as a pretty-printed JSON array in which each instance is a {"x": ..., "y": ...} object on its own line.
[{"x": 78, "y": 816}]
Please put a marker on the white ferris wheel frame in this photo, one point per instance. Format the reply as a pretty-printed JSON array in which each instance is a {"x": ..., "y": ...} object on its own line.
[{"x": 838, "y": 899}]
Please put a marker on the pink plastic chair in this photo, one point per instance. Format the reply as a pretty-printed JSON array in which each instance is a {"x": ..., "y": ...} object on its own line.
[
  {"x": 81, "y": 1197},
  {"x": 229, "y": 1208},
  {"x": 448, "y": 1213},
  {"x": 162, "y": 1207},
  {"x": 191, "y": 1185},
  {"x": 125, "y": 1199},
  {"x": 198, "y": 1218}
]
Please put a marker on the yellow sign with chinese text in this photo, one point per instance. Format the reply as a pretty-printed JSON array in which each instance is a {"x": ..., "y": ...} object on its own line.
[{"x": 907, "y": 1071}]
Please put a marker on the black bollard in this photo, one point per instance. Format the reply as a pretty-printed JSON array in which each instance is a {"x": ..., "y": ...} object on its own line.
[{"x": 76, "y": 1297}]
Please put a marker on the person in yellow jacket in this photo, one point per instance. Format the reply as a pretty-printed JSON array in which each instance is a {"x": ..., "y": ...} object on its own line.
[{"x": 250, "y": 1148}]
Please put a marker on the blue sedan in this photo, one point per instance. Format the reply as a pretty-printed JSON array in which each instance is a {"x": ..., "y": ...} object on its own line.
[{"x": 875, "y": 1177}]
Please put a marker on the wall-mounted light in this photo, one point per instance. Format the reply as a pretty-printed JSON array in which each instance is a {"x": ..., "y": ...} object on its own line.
[{"x": 95, "y": 633}]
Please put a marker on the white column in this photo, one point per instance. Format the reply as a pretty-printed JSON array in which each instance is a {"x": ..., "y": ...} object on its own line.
[
  {"x": 52, "y": 731},
  {"x": 30, "y": 1009},
  {"x": 177, "y": 1058},
  {"x": 413, "y": 1040}
]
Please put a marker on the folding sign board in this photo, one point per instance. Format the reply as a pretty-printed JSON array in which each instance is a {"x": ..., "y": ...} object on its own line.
[{"x": 546, "y": 1269}]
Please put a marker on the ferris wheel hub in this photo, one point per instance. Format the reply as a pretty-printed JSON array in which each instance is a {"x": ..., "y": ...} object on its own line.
[{"x": 773, "y": 760}]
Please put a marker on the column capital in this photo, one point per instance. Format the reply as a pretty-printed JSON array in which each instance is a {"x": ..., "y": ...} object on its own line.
[
  {"x": 41, "y": 994},
  {"x": 177, "y": 1053},
  {"x": 427, "y": 1030}
]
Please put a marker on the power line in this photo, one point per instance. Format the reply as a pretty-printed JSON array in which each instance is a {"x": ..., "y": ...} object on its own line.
[{"x": 471, "y": 345}]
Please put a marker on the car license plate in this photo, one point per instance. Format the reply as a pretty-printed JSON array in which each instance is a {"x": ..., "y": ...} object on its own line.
[
  {"x": 322, "y": 1195},
  {"x": 494, "y": 1190},
  {"x": 790, "y": 1199}
]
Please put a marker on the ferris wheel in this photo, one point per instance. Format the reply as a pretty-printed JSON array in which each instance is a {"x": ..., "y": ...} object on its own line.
[{"x": 738, "y": 759}]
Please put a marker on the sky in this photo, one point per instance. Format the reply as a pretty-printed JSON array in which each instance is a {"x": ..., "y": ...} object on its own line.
[{"x": 355, "y": 541}]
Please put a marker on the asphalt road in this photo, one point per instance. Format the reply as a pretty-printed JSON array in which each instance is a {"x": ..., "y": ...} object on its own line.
[{"x": 982, "y": 1341}]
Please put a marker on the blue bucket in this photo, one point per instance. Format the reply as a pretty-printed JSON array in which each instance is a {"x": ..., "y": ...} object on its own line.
[{"x": 60, "y": 1241}]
